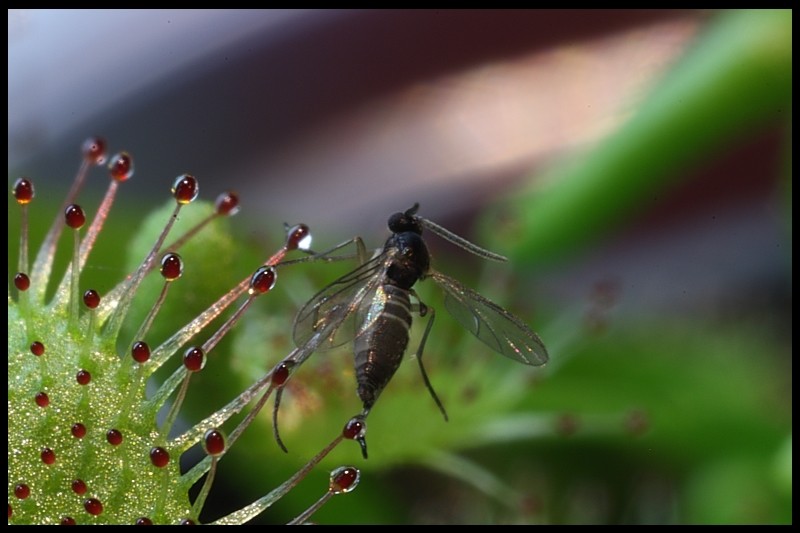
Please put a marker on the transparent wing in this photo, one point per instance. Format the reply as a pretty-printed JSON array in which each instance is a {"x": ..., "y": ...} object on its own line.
[
  {"x": 333, "y": 308},
  {"x": 497, "y": 328}
]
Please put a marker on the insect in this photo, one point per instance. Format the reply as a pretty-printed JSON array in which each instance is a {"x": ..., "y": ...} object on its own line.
[{"x": 372, "y": 306}]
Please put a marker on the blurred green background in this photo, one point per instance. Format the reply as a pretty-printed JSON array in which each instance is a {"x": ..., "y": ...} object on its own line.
[{"x": 653, "y": 257}]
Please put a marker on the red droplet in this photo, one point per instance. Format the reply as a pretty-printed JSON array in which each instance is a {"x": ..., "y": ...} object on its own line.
[
  {"x": 344, "y": 479},
  {"x": 91, "y": 299},
  {"x": 78, "y": 430},
  {"x": 295, "y": 237},
  {"x": 281, "y": 373},
  {"x": 42, "y": 399},
  {"x": 9, "y": 510},
  {"x": 355, "y": 428},
  {"x": 94, "y": 150},
  {"x": 37, "y": 348},
  {"x": 48, "y": 456},
  {"x": 114, "y": 437},
  {"x": 93, "y": 506},
  {"x": 143, "y": 521},
  {"x": 159, "y": 457},
  {"x": 22, "y": 491},
  {"x": 171, "y": 266},
  {"x": 83, "y": 377},
  {"x": 227, "y": 204},
  {"x": 263, "y": 280},
  {"x": 187, "y": 522},
  {"x": 79, "y": 486},
  {"x": 194, "y": 359},
  {"x": 121, "y": 167},
  {"x": 185, "y": 189},
  {"x": 22, "y": 281},
  {"x": 140, "y": 352},
  {"x": 23, "y": 191},
  {"x": 67, "y": 521},
  {"x": 214, "y": 442},
  {"x": 74, "y": 216}
]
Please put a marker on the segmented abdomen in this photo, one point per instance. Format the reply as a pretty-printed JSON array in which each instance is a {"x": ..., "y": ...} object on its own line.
[{"x": 379, "y": 350}]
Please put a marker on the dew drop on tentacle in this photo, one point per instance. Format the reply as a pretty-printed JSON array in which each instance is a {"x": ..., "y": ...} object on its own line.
[
  {"x": 214, "y": 442},
  {"x": 83, "y": 377},
  {"x": 171, "y": 266},
  {"x": 281, "y": 373},
  {"x": 143, "y": 521},
  {"x": 74, "y": 216},
  {"x": 21, "y": 281},
  {"x": 194, "y": 359},
  {"x": 24, "y": 191},
  {"x": 356, "y": 429},
  {"x": 187, "y": 522},
  {"x": 185, "y": 189},
  {"x": 93, "y": 506},
  {"x": 344, "y": 479},
  {"x": 91, "y": 299},
  {"x": 114, "y": 437},
  {"x": 67, "y": 521},
  {"x": 298, "y": 237},
  {"x": 37, "y": 348},
  {"x": 42, "y": 399},
  {"x": 140, "y": 351},
  {"x": 263, "y": 280},
  {"x": 120, "y": 167},
  {"x": 94, "y": 150},
  {"x": 48, "y": 456},
  {"x": 78, "y": 430},
  {"x": 159, "y": 457},
  {"x": 227, "y": 204},
  {"x": 22, "y": 491},
  {"x": 78, "y": 486}
]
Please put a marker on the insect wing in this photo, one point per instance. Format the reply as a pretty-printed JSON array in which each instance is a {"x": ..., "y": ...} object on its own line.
[
  {"x": 497, "y": 328},
  {"x": 332, "y": 310}
]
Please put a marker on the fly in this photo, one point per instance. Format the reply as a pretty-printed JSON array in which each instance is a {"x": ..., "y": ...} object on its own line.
[{"x": 372, "y": 306}]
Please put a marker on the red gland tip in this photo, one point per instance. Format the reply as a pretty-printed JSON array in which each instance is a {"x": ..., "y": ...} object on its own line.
[
  {"x": 121, "y": 167},
  {"x": 185, "y": 189},
  {"x": 23, "y": 191},
  {"x": 227, "y": 204},
  {"x": 94, "y": 150}
]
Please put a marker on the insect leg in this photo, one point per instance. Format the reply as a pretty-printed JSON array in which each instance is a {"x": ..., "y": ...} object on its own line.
[
  {"x": 360, "y": 438},
  {"x": 423, "y": 310},
  {"x": 361, "y": 253},
  {"x": 275, "y": 432}
]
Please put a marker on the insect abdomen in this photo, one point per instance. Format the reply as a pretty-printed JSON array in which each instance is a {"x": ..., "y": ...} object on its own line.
[{"x": 379, "y": 350}]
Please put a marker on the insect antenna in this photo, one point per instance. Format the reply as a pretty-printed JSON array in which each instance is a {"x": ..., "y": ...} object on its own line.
[{"x": 461, "y": 242}]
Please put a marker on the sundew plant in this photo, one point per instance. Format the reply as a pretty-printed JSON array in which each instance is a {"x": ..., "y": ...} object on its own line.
[{"x": 87, "y": 443}]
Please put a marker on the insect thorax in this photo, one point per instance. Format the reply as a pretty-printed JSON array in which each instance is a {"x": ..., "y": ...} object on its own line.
[{"x": 410, "y": 259}]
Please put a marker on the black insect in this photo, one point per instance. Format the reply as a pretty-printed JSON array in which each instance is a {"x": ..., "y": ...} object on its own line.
[{"x": 372, "y": 306}]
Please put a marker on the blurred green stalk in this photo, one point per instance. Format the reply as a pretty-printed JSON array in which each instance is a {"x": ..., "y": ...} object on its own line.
[{"x": 736, "y": 77}]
